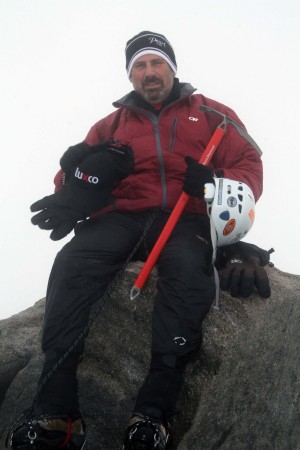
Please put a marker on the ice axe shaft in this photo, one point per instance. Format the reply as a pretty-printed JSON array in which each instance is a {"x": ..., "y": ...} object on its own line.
[{"x": 174, "y": 217}]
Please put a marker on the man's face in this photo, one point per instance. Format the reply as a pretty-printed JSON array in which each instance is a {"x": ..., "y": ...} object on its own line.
[{"x": 152, "y": 77}]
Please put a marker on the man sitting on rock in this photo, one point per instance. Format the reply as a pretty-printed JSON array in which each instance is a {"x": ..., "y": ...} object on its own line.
[{"x": 115, "y": 190}]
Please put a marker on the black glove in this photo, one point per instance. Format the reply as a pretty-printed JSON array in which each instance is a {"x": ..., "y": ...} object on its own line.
[
  {"x": 88, "y": 189},
  {"x": 61, "y": 211},
  {"x": 76, "y": 154},
  {"x": 195, "y": 177},
  {"x": 244, "y": 270}
]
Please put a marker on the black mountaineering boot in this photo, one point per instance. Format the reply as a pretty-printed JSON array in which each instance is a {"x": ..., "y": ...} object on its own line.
[
  {"x": 48, "y": 433},
  {"x": 145, "y": 433}
]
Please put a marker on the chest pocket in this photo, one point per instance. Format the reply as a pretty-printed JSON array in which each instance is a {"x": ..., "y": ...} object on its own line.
[{"x": 188, "y": 135}]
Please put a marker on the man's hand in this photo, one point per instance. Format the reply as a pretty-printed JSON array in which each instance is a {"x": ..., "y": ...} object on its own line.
[
  {"x": 195, "y": 178},
  {"x": 61, "y": 211},
  {"x": 88, "y": 189},
  {"x": 240, "y": 276},
  {"x": 60, "y": 219}
]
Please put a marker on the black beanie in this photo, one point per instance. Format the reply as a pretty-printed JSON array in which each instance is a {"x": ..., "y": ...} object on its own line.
[{"x": 146, "y": 43}]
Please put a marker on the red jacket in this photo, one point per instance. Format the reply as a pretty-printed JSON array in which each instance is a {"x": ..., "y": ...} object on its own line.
[{"x": 160, "y": 144}]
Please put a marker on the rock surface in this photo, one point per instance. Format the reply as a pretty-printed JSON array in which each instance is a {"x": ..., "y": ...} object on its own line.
[{"x": 242, "y": 388}]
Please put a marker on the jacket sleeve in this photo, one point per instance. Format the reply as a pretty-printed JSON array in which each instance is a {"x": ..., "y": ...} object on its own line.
[
  {"x": 242, "y": 164},
  {"x": 58, "y": 181},
  {"x": 104, "y": 129},
  {"x": 238, "y": 160}
]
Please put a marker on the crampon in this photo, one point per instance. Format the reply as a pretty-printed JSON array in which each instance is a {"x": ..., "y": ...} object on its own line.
[
  {"x": 144, "y": 433},
  {"x": 48, "y": 433}
]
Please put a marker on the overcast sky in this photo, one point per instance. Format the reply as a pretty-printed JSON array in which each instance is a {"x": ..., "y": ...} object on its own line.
[{"x": 62, "y": 65}]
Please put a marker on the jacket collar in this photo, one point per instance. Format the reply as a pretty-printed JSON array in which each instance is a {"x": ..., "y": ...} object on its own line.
[{"x": 133, "y": 99}]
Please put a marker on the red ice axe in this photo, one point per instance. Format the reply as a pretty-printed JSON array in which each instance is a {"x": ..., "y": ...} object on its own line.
[{"x": 184, "y": 197}]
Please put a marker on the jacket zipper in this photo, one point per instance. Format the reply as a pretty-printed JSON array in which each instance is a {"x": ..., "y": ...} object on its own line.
[
  {"x": 161, "y": 163},
  {"x": 154, "y": 119}
]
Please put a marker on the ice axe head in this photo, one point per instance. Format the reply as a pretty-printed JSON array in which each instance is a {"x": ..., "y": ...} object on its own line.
[{"x": 227, "y": 120}]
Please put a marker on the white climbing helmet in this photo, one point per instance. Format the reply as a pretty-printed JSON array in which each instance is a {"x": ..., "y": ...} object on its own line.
[{"x": 231, "y": 207}]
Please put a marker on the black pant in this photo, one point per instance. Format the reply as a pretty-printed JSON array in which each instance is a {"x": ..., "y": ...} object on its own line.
[{"x": 80, "y": 275}]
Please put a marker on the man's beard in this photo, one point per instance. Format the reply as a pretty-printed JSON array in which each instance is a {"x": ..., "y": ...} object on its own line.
[{"x": 153, "y": 94}]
